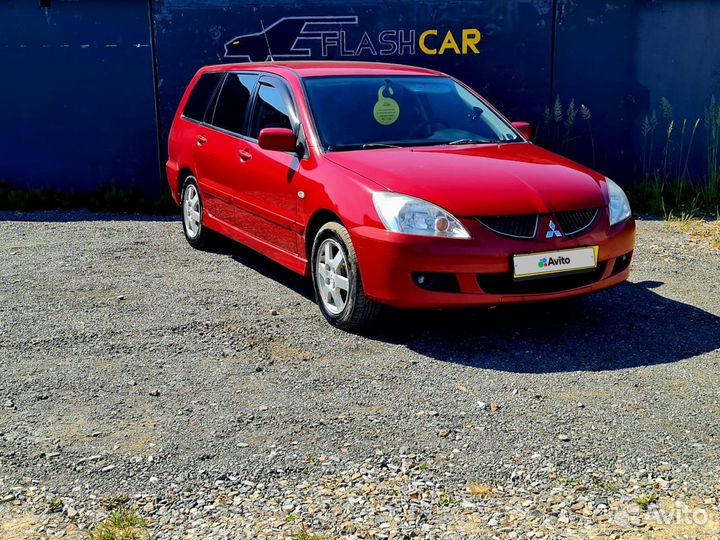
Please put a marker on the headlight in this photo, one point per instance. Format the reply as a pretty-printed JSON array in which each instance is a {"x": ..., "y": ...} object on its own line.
[
  {"x": 619, "y": 204},
  {"x": 403, "y": 214}
]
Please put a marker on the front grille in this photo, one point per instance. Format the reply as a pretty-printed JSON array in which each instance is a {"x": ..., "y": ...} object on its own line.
[
  {"x": 506, "y": 284},
  {"x": 576, "y": 221},
  {"x": 524, "y": 226}
]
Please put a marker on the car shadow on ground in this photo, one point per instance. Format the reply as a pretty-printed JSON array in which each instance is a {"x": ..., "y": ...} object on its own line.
[
  {"x": 263, "y": 266},
  {"x": 628, "y": 326}
]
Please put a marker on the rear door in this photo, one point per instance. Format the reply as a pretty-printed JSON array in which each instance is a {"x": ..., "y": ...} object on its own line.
[
  {"x": 186, "y": 134},
  {"x": 219, "y": 165},
  {"x": 270, "y": 188}
]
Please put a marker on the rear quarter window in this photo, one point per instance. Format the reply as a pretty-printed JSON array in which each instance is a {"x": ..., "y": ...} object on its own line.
[{"x": 202, "y": 94}]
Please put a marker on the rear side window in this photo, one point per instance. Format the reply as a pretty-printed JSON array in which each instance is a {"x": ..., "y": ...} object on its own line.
[
  {"x": 232, "y": 104},
  {"x": 197, "y": 104},
  {"x": 270, "y": 110}
]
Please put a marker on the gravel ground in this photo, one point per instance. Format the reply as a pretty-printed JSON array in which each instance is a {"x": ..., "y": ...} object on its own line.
[{"x": 207, "y": 389}]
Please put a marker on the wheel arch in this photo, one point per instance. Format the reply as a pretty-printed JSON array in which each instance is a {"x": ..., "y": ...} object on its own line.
[
  {"x": 182, "y": 176},
  {"x": 317, "y": 220}
]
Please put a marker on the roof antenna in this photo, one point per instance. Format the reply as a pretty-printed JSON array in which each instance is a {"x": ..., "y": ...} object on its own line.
[{"x": 267, "y": 41}]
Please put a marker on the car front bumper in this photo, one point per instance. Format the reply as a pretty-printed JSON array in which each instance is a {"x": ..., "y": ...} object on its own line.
[{"x": 479, "y": 271}]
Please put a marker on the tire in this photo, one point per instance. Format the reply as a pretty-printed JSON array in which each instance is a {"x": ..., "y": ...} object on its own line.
[
  {"x": 334, "y": 266},
  {"x": 197, "y": 235}
]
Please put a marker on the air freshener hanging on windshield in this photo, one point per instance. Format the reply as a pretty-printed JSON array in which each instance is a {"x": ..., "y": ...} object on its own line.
[{"x": 386, "y": 110}]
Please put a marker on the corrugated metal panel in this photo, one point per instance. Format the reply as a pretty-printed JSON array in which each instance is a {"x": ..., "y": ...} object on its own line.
[
  {"x": 77, "y": 106},
  {"x": 620, "y": 58}
]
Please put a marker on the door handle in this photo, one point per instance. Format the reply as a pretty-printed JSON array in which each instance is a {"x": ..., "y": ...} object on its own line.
[
  {"x": 244, "y": 154},
  {"x": 201, "y": 139}
]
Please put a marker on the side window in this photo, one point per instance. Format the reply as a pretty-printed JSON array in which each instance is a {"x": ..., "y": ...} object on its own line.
[
  {"x": 233, "y": 102},
  {"x": 270, "y": 110},
  {"x": 197, "y": 104}
]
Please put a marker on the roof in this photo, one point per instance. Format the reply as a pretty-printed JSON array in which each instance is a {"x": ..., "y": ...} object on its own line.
[{"x": 315, "y": 68}]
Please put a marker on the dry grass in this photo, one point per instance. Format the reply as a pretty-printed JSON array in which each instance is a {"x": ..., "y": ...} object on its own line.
[
  {"x": 671, "y": 520},
  {"x": 479, "y": 490},
  {"x": 14, "y": 526},
  {"x": 706, "y": 232}
]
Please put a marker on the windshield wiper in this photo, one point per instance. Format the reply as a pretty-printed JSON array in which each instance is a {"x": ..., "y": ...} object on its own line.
[
  {"x": 346, "y": 147},
  {"x": 472, "y": 141},
  {"x": 379, "y": 145}
]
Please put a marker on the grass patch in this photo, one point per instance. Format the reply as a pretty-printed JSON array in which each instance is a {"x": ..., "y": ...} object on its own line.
[
  {"x": 110, "y": 198},
  {"x": 645, "y": 501},
  {"x": 111, "y": 503},
  {"x": 445, "y": 500},
  {"x": 607, "y": 486},
  {"x": 291, "y": 518},
  {"x": 56, "y": 505},
  {"x": 122, "y": 524},
  {"x": 569, "y": 482}
]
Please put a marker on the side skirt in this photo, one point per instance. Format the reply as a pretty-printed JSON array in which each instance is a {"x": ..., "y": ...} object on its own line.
[{"x": 289, "y": 260}]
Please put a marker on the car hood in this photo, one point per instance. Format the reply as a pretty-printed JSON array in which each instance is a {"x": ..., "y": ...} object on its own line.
[{"x": 481, "y": 180}]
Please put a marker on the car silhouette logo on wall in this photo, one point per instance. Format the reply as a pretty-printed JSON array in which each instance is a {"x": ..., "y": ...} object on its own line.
[
  {"x": 340, "y": 36},
  {"x": 288, "y": 38}
]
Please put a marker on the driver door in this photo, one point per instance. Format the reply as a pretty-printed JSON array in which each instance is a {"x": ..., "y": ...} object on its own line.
[{"x": 270, "y": 189}]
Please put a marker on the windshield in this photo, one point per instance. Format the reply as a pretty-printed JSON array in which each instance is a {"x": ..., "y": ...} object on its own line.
[{"x": 356, "y": 112}]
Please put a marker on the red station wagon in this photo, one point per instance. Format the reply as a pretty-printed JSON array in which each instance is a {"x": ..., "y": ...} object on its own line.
[{"x": 390, "y": 185}]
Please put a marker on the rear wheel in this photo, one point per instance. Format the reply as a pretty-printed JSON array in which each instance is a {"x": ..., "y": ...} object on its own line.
[
  {"x": 192, "y": 211},
  {"x": 336, "y": 279}
]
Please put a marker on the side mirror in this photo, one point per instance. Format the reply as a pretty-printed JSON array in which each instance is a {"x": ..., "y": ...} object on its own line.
[
  {"x": 280, "y": 139},
  {"x": 525, "y": 129}
]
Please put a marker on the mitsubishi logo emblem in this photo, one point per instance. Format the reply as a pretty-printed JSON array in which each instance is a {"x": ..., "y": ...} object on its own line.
[{"x": 553, "y": 230}]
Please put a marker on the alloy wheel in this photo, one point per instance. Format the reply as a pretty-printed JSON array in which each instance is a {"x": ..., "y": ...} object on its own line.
[
  {"x": 191, "y": 211},
  {"x": 332, "y": 276}
]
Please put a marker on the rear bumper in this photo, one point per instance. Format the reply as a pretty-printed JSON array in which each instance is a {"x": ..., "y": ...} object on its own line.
[{"x": 481, "y": 267}]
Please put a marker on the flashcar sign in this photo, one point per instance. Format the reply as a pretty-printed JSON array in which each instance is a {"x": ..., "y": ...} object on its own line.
[{"x": 328, "y": 36}]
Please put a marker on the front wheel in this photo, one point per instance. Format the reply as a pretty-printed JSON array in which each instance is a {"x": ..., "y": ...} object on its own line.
[{"x": 336, "y": 279}]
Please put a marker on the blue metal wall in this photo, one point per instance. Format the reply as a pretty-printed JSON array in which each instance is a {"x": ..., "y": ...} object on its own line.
[
  {"x": 79, "y": 108},
  {"x": 77, "y": 100},
  {"x": 621, "y": 58}
]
